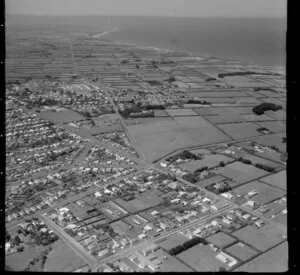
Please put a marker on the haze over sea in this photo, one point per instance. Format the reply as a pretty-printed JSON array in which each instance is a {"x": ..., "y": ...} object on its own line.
[{"x": 258, "y": 41}]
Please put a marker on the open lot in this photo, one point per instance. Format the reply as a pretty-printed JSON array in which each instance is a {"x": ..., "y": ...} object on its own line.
[
  {"x": 120, "y": 228},
  {"x": 160, "y": 138},
  {"x": 181, "y": 112},
  {"x": 201, "y": 258},
  {"x": 266, "y": 193},
  {"x": 221, "y": 239},
  {"x": 61, "y": 117},
  {"x": 62, "y": 259},
  {"x": 241, "y": 251},
  {"x": 261, "y": 238},
  {"x": 277, "y": 180},
  {"x": 141, "y": 202},
  {"x": 211, "y": 180},
  {"x": 18, "y": 261},
  {"x": 240, "y": 172},
  {"x": 208, "y": 160},
  {"x": 240, "y": 130},
  {"x": 275, "y": 260},
  {"x": 174, "y": 240}
]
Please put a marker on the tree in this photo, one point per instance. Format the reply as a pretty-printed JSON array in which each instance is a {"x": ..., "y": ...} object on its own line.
[
  {"x": 7, "y": 236},
  {"x": 222, "y": 164},
  {"x": 20, "y": 249},
  {"x": 17, "y": 240}
]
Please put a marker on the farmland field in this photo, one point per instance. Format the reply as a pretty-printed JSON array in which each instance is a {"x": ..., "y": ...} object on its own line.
[
  {"x": 262, "y": 238},
  {"x": 240, "y": 172},
  {"x": 277, "y": 180},
  {"x": 266, "y": 193},
  {"x": 274, "y": 126},
  {"x": 201, "y": 258},
  {"x": 159, "y": 139},
  {"x": 240, "y": 130},
  {"x": 181, "y": 112},
  {"x": 208, "y": 160},
  {"x": 176, "y": 239},
  {"x": 275, "y": 260},
  {"x": 221, "y": 239},
  {"x": 241, "y": 251}
]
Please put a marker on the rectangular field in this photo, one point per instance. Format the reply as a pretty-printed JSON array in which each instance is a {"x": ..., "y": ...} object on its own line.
[
  {"x": 277, "y": 180},
  {"x": 275, "y": 260},
  {"x": 181, "y": 112},
  {"x": 157, "y": 139},
  {"x": 201, "y": 258},
  {"x": 208, "y": 160},
  {"x": 240, "y": 172},
  {"x": 261, "y": 238},
  {"x": 266, "y": 193},
  {"x": 240, "y": 130}
]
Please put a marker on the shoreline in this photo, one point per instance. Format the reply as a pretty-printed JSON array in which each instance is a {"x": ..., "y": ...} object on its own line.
[
  {"x": 100, "y": 35},
  {"x": 200, "y": 56}
]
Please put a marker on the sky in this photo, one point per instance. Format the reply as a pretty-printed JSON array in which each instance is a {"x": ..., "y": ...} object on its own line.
[{"x": 177, "y": 8}]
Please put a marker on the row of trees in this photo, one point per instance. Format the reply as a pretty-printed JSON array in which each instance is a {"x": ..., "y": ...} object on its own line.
[
  {"x": 196, "y": 101},
  {"x": 186, "y": 245}
]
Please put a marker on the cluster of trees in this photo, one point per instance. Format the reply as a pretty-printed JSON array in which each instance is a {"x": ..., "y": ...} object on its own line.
[
  {"x": 193, "y": 177},
  {"x": 137, "y": 108},
  {"x": 186, "y": 245},
  {"x": 195, "y": 101},
  {"x": 224, "y": 188},
  {"x": 183, "y": 155},
  {"x": 154, "y": 107},
  {"x": 44, "y": 238},
  {"x": 244, "y": 73},
  {"x": 261, "y": 108},
  {"x": 171, "y": 79},
  {"x": 246, "y": 161},
  {"x": 124, "y": 61},
  {"x": 154, "y": 82},
  {"x": 264, "y": 167}
]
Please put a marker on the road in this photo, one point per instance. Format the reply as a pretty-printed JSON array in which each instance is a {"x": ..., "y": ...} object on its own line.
[
  {"x": 129, "y": 250},
  {"x": 73, "y": 244},
  {"x": 247, "y": 209},
  {"x": 133, "y": 141},
  {"x": 69, "y": 200}
]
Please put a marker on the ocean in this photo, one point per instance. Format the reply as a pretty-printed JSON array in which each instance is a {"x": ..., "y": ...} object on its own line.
[{"x": 260, "y": 41}]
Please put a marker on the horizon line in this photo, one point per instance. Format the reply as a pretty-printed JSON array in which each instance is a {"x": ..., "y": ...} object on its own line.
[{"x": 137, "y": 15}]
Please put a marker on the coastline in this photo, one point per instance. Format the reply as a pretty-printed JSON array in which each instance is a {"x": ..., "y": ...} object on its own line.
[
  {"x": 100, "y": 35},
  {"x": 196, "y": 55}
]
